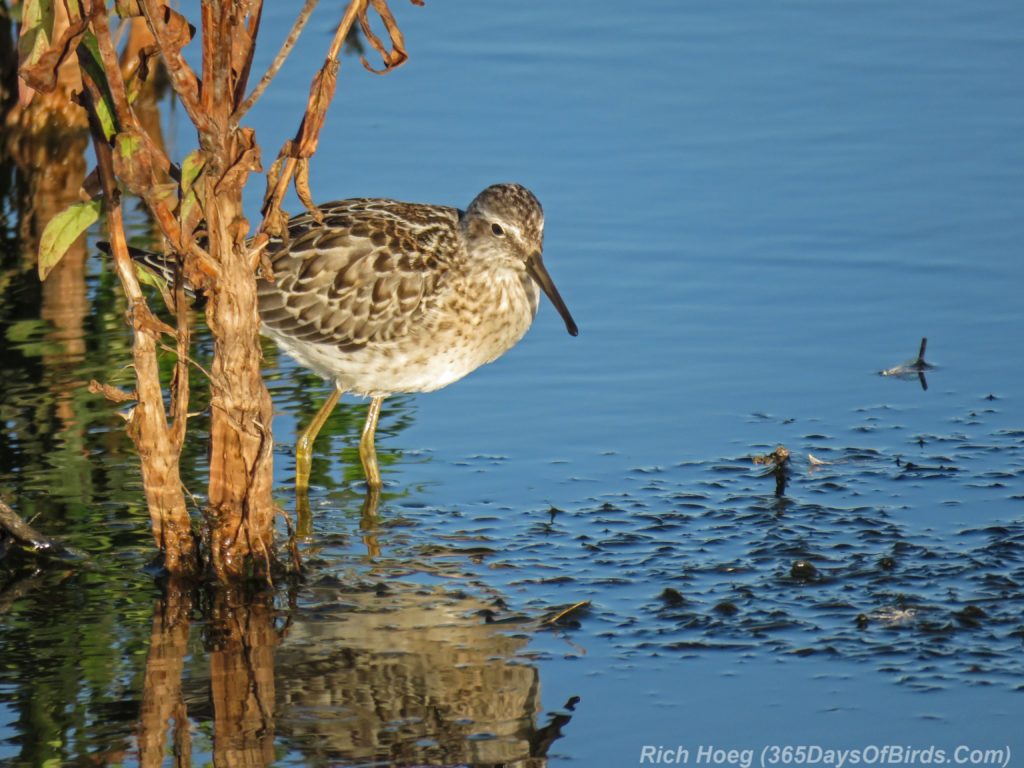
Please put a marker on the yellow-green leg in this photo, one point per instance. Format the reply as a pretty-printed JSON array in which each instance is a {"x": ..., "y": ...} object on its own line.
[
  {"x": 368, "y": 522},
  {"x": 304, "y": 445},
  {"x": 367, "y": 450}
]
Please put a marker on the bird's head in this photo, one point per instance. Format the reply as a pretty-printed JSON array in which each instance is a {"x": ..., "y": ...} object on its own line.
[{"x": 505, "y": 223}]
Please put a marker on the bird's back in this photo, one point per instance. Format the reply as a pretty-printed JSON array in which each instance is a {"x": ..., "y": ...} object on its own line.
[
  {"x": 381, "y": 295},
  {"x": 365, "y": 275}
]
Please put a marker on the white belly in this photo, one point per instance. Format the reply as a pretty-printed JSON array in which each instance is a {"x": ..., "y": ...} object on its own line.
[{"x": 451, "y": 343}]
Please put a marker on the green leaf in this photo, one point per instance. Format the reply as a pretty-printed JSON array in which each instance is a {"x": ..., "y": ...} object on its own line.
[
  {"x": 149, "y": 277},
  {"x": 128, "y": 144},
  {"x": 132, "y": 164},
  {"x": 62, "y": 231},
  {"x": 23, "y": 331},
  {"x": 29, "y": 337},
  {"x": 93, "y": 66},
  {"x": 191, "y": 168},
  {"x": 36, "y": 30}
]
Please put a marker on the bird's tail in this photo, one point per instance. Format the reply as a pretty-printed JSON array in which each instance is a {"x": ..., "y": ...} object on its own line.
[
  {"x": 160, "y": 264},
  {"x": 155, "y": 268}
]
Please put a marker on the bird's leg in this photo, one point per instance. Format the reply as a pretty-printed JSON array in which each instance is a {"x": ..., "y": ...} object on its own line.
[
  {"x": 367, "y": 450},
  {"x": 304, "y": 445},
  {"x": 368, "y": 522}
]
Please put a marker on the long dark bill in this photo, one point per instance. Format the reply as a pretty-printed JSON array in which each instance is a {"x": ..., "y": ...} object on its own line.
[{"x": 535, "y": 266}]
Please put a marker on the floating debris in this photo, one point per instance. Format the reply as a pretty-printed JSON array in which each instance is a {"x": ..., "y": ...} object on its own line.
[
  {"x": 925, "y": 470},
  {"x": 970, "y": 616},
  {"x": 894, "y": 616},
  {"x": 726, "y": 608},
  {"x": 671, "y": 596},
  {"x": 779, "y": 456},
  {"x": 22, "y": 534},
  {"x": 803, "y": 570},
  {"x": 559, "y": 615},
  {"x": 777, "y": 463},
  {"x": 912, "y": 368}
]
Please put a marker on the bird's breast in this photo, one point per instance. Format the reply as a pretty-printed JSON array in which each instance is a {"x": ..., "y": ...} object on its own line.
[
  {"x": 476, "y": 321},
  {"x": 472, "y": 321}
]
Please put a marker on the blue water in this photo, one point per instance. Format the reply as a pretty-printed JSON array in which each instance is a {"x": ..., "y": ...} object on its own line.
[
  {"x": 748, "y": 208},
  {"x": 751, "y": 210}
]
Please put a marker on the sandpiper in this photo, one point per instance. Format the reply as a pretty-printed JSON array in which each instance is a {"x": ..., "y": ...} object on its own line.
[{"x": 384, "y": 297}]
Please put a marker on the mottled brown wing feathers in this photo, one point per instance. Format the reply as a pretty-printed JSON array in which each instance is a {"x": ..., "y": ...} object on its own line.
[{"x": 366, "y": 275}]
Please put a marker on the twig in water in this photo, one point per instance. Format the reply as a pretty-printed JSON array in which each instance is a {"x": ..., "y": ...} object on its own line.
[
  {"x": 27, "y": 536},
  {"x": 557, "y": 616},
  {"x": 912, "y": 368}
]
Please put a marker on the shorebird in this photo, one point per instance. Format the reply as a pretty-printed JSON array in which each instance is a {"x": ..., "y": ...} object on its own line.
[{"x": 384, "y": 297}]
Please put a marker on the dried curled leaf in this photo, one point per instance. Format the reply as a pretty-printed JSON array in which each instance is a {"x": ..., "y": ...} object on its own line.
[
  {"x": 320, "y": 94},
  {"x": 36, "y": 31},
  {"x": 291, "y": 159},
  {"x": 142, "y": 319},
  {"x": 176, "y": 29},
  {"x": 138, "y": 71},
  {"x": 397, "y": 55},
  {"x": 40, "y": 69},
  {"x": 778, "y": 457},
  {"x": 112, "y": 393},
  {"x": 173, "y": 32},
  {"x": 127, "y": 9},
  {"x": 246, "y": 160},
  {"x": 303, "y": 190},
  {"x": 133, "y": 158},
  {"x": 62, "y": 231},
  {"x": 133, "y": 162}
]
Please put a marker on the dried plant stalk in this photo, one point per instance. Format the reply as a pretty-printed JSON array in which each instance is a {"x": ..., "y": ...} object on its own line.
[{"x": 207, "y": 189}]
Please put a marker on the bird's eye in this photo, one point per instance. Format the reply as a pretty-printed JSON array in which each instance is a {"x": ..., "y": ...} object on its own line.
[{"x": 497, "y": 230}]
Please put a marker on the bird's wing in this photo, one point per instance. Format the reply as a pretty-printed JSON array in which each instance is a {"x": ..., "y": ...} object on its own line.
[{"x": 367, "y": 274}]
